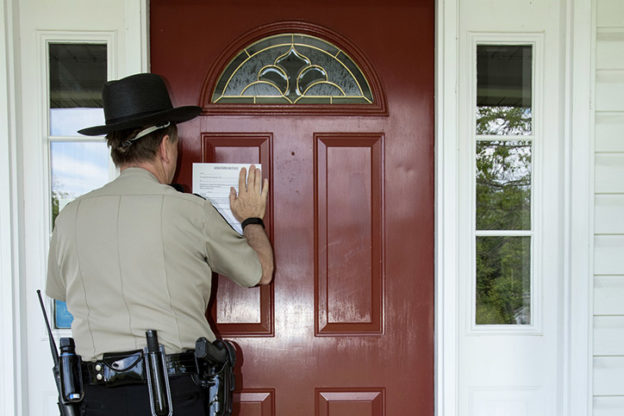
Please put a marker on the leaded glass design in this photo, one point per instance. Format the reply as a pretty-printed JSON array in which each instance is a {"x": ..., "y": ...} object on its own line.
[{"x": 292, "y": 68}]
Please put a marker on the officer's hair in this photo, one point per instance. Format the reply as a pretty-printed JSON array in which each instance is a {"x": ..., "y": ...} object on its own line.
[{"x": 144, "y": 149}]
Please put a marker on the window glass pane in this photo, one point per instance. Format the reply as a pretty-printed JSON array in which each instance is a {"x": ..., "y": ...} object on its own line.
[
  {"x": 67, "y": 121},
  {"x": 504, "y": 89},
  {"x": 289, "y": 69},
  {"x": 503, "y": 280},
  {"x": 77, "y": 168},
  {"x": 62, "y": 317},
  {"x": 503, "y": 185},
  {"x": 77, "y": 75}
]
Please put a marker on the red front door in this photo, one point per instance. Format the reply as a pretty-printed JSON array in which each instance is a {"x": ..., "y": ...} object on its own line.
[{"x": 346, "y": 329}]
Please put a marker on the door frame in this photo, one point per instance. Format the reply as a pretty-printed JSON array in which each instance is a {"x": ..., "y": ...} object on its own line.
[
  {"x": 575, "y": 339},
  {"x": 446, "y": 257},
  {"x": 24, "y": 177},
  {"x": 576, "y": 335}
]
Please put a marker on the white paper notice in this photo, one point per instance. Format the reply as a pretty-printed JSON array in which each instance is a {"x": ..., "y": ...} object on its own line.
[{"x": 213, "y": 182}]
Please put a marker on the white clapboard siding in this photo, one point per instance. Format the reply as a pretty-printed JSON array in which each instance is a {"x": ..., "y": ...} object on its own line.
[
  {"x": 609, "y": 255},
  {"x": 610, "y": 172},
  {"x": 608, "y": 376},
  {"x": 610, "y": 130},
  {"x": 609, "y": 51},
  {"x": 609, "y": 335},
  {"x": 609, "y": 214},
  {"x": 610, "y": 89},
  {"x": 608, "y": 406},
  {"x": 609, "y": 13},
  {"x": 609, "y": 295},
  {"x": 608, "y": 299}
]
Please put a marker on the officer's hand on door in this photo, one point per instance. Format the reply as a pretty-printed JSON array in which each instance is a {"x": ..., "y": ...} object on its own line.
[{"x": 250, "y": 202}]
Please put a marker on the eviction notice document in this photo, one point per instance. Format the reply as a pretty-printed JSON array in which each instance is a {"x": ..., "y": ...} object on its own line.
[{"x": 213, "y": 182}]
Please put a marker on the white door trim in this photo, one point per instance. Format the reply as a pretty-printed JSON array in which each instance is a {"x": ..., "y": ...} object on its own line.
[
  {"x": 10, "y": 363},
  {"x": 129, "y": 48},
  {"x": 579, "y": 214},
  {"x": 447, "y": 210}
]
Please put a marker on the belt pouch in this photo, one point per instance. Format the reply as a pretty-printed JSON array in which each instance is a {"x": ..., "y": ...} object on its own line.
[{"x": 119, "y": 369}]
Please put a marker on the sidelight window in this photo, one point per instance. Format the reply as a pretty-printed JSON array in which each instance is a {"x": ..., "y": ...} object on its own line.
[
  {"x": 77, "y": 72},
  {"x": 504, "y": 137}
]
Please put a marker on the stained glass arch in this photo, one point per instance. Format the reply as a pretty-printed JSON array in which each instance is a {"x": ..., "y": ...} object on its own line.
[{"x": 292, "y": 68}]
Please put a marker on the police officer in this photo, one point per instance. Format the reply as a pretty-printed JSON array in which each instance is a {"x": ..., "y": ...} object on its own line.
[{"x": 137, "y": 255}]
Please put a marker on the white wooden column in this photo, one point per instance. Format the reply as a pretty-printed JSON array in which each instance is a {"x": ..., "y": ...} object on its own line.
[
  {"x": 577, "y": 299},
  {"x": 10, "y": 380}
]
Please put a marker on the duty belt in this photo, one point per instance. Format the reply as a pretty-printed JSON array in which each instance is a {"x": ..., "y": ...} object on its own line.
[
  {"x": 117, "y": 369},
  {"x": 211, "y": 366}
]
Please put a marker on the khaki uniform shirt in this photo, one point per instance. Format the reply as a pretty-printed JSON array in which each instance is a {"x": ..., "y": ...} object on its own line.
[{"x": 137, "y": 255}]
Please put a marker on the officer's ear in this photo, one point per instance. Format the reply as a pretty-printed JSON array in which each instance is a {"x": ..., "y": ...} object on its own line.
[{"x": 165, "y": 150}]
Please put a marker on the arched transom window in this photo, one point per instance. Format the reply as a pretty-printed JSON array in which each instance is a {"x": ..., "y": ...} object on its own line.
[{"x": 292, "y": 68}]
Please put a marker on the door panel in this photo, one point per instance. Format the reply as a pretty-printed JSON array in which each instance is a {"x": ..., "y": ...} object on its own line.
[
  {"x": 356, "y": 402},
  {"x": 346, "y": 328},
  {"x": 227, "y": 315},
  {"x": 349, "y": 234},
  {"x": 255, "y": 402}
]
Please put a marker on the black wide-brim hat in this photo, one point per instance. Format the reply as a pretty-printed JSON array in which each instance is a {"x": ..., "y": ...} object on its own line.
[{"x": 138, "y": 101}]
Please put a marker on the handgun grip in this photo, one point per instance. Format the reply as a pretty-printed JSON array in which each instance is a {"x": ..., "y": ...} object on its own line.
[{"x": 209, "y": 352}]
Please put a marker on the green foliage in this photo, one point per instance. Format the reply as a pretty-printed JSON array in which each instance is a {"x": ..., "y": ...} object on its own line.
[
  {"x": 503, "y": 202},
  {"x": 57, "y": 196},
  {"x": 503, "y": 280},
  {"x": 55, "y": 206},
  {"x": 503, "y": 120},
  {"x": 503, "y": 185}
]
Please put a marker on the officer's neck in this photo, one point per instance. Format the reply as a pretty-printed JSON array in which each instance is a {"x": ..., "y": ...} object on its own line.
[{"x": 152, "y": 167}]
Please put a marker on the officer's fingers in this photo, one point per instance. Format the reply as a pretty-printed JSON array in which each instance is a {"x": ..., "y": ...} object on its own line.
[
  {"x": 250, "y": 177},
  {"x": 253, "y": 173},
  {"x": 265, "y": 189},
  {"x": 232, "y": 196},
  {"x": 242, "y": 185},
  {"x": 258, "y": 181}
]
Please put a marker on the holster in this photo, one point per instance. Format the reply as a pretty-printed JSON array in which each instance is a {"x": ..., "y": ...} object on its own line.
[{"x": 215, "y": 373}]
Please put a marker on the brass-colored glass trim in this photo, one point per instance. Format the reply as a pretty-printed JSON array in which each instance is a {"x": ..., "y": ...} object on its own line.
[{"x": 292, "y": 68}]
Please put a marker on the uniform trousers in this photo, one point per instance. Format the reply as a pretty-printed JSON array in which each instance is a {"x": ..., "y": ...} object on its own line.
[{"x": 133, "y": 400}]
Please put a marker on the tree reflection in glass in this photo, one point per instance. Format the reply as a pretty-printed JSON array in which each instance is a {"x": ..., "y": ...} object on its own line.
[
  {"x": 503, "y": 280},
  {"x": 504, "y": 120},
  {"x": 503, "y": 179},
  {"x": 503, "y": 183}
]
